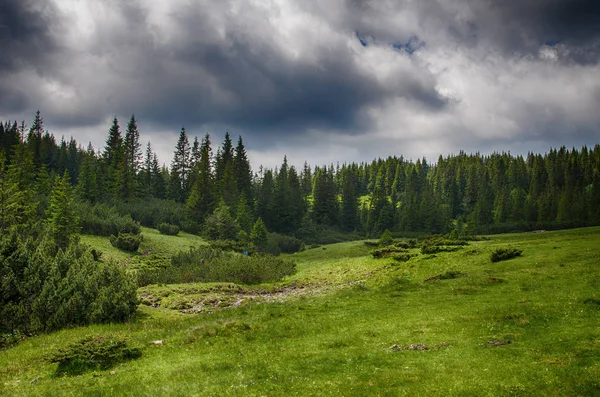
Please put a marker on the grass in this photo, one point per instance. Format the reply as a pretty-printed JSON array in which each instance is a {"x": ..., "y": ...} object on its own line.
[
  {"x": 154, "y": 247},
  {"x": 338, "y": 340}
]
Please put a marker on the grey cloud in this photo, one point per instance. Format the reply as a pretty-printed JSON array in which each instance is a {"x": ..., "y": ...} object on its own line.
[
  {"x": 243, "y": 79},
  {"x": 222, "y": 65},
  {"x": 25, "y": 36}
]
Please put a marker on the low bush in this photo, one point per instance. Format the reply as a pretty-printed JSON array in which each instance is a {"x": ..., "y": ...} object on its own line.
[
  {"x": 151, "y": 212},
  {"x": 229, "y": 245},
  {"x": 285, "y": 244},
  {"x": 502, "y": 254},
  {"x": 386, "y": 238},
  {"x": 387, "y": 251},
  {"x": 402, "y": 256},
  {"x": 93, "y": 353},
  {"x": 126, "y": 241},
  {"x": 102, "y": 220},
  {"x": 59, "y": 288},
  {"x": 168, "y": 229},
  {"x": 206, "y": 264}
]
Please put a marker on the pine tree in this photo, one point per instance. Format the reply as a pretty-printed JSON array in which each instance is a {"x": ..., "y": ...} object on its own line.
[
  {"x": 225, "y": 175},
  {"x": 129, "y": 168},
  {"x": 180, "y": 169},
  {"x": 243, "y": 215},
  {"x": 87, "y": 187},
  {"x": 259, "y": 235},
  {"x": 147, "y": 172},
  {"x": 349, "y": 219},
  {"x": 264, "y": 198},
  {"x": 61, "y": 214},
  {"x": 325, "y": 203},
  {"x": 242, "y": 171},
  {"x": 113, "y": 158},
  {"x": 201, "y": 200},
  {"x": 34, "y": 138}
]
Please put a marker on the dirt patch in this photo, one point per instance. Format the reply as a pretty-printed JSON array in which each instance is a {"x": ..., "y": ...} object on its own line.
[{"x": 210, "y": 304}]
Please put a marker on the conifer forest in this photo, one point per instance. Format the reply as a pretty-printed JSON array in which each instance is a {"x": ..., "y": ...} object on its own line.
[{"x": 52, "y": 190}]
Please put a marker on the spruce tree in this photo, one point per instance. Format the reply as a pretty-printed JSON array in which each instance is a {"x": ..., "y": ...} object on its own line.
[
  {"x": 201, "y": 200},
  {"x": 34, "y": 138},
  {"x": 325, "y": 204},
  {"x": 349, "y": 216},
  {"x": 242, "y": 171},
  {"x": 61, "y": 214},
  {"x": 113, "y": 158},
  {"x": 180, "y": 168},
  {"x": 87, "y": 187},
  {"x": 259, "y": 235},
  {"x": 130, "y": 165}
]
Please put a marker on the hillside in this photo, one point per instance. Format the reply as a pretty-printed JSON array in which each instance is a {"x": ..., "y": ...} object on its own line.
[{"x": 450, "y": 323}]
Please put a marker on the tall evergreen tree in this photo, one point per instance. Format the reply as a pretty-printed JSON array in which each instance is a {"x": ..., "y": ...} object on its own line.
[
  {"x": 349, "y": 217},
  {"x": 61, "y": 214},
  {"x": 113, "y": 158},
  {"x": 180, "y": 169},
  {"x": 325, "y": 203},
  {"x": 87, "y": 187},
  {"x": 242, "y": 171},
  {"x": 129, "y": 168},
  {"x": 34, "y": 138},
  {"x": 201, "y": 201}
]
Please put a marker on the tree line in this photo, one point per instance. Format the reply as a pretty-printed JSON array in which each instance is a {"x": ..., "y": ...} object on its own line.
[{"x": 481, "y": 193}]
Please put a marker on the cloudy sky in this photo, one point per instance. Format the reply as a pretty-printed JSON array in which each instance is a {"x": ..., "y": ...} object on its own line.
[{"x": 318, "y": 80}]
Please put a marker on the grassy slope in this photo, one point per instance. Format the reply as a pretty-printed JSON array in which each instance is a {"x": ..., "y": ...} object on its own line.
[
  {"x": 339, "y": 342},
  {"x": 154, "y": 246}
]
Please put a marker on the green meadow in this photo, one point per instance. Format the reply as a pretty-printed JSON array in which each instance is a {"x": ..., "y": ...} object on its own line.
[{"x": 444, "y": 324}]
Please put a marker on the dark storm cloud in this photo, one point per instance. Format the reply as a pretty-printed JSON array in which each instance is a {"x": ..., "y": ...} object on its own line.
[
  {"x": 433, "y": 76},
  {"x": 523, "y": 26},
  {"x": 242, "y": 78},
  {"x": 25, "y": 36},
  {"x": 25, "y": 43}
]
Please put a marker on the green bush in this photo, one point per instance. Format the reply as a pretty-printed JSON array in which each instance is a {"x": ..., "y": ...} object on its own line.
[
  {"x": 93, "y": 353},
  {"x": 387, "y": 251},
  {"x": 402, "y": 256},
  {"x": 502, "y": 254},
  {"x": 168, "y": 229},
  {"x": 285, "y": 244},
  {"x": 229, "y": 245},
  {"x": 206, "y": 264},
  {"x": 153, "y": 211},
  {"x": 102, "y": 220},
  {"x": 126, "y": 241},
  {"x": 45, "y": 289},
  {"x": 386, "y": 238}
]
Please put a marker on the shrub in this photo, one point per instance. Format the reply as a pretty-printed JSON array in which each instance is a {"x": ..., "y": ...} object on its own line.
[
  {"x": 102, "y": 220},
  {"x": 402, "y": 256},
  {"x": 168, "y": 229},
  {"x": 126, "y": 241},
  {"x": 59, "y": 288},
  {"x": 285, "y": 244},
  {"x": 386, "y": 238},
  {"x": 96, "y": 254},
  {"x": 502, "y": 254},
  {"x": 221, "y": 225},
  {"x": 151, "y": 212},
  {"x": 205, "y": 264},
  {"x": 387, "y": 251},
  {"x": 92, "y": 353},
  {"x": 229, "y": 245}
]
